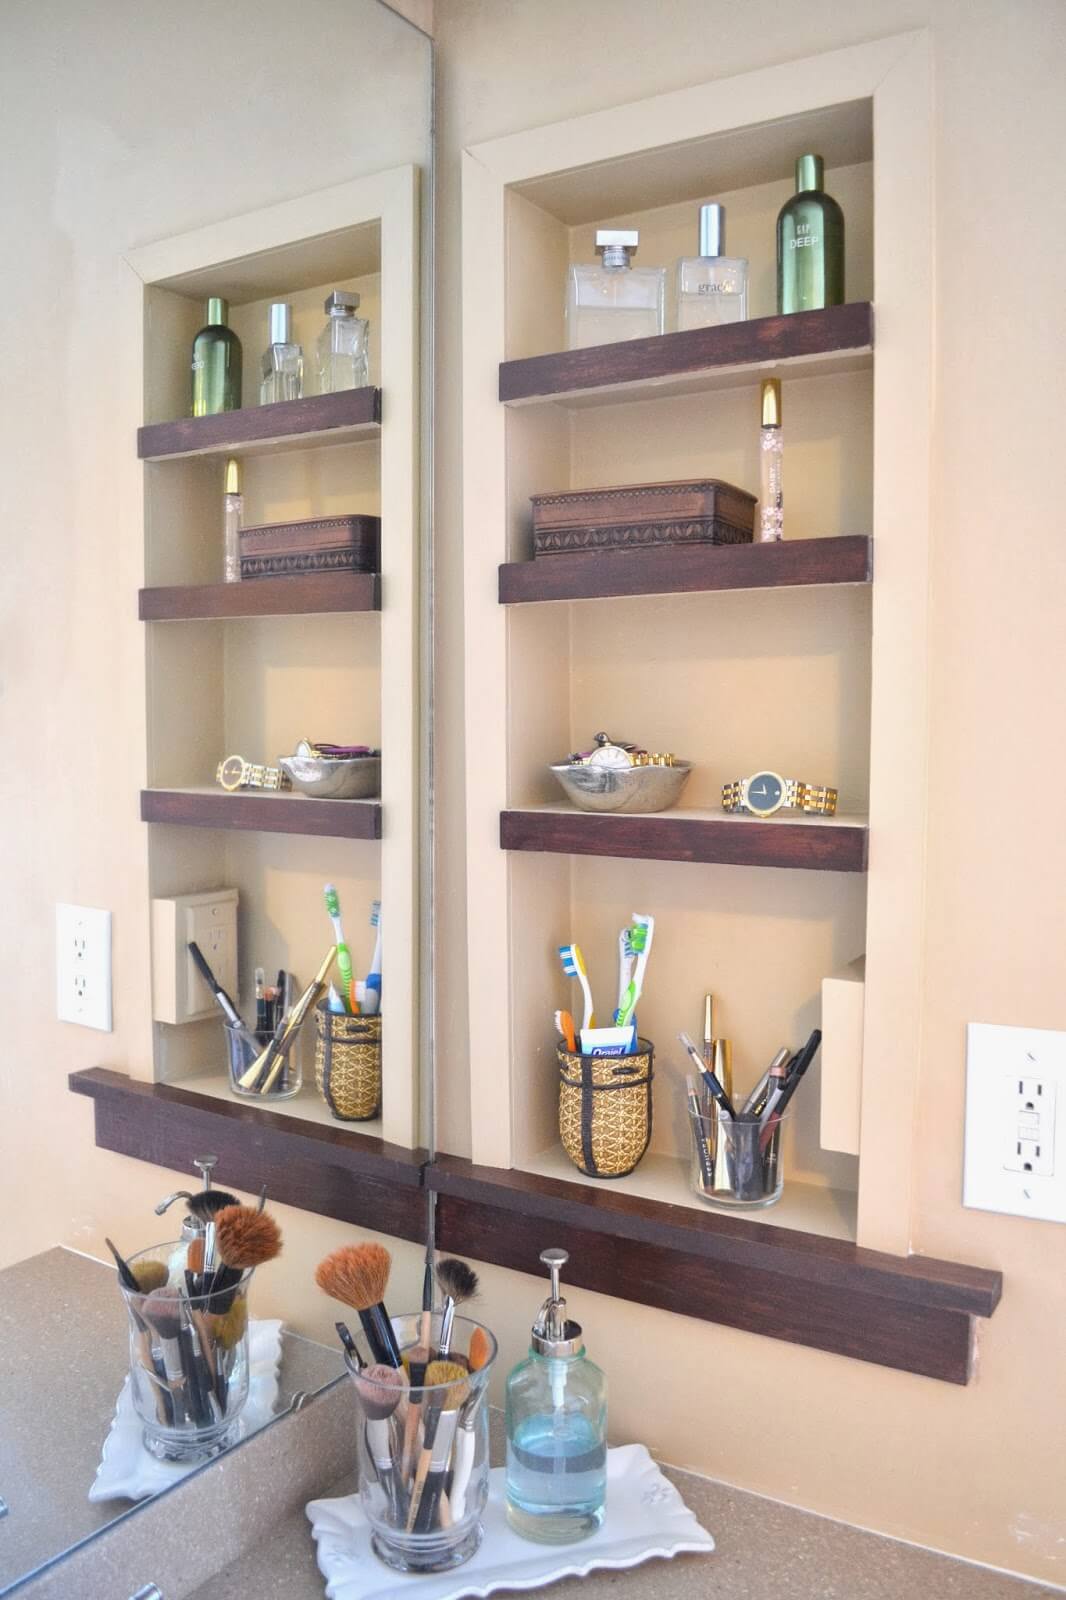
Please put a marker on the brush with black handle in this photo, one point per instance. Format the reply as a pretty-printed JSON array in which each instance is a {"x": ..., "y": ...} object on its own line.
[{"x": 222, "y": 999}]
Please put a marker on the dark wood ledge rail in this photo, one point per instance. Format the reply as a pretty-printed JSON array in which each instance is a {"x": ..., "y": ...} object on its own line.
[
  {"x": 912, "y": 1313},
  {"x": 263, "y": 812},
  {"x": 814, "y": 844},
  {"x": 316, "y": 419},
  {"x": 302, "y": 594},
  {"x": 761, "y": 341},
  {"x": 335, "y": 1172},
  {"x": 687, "y": 569}
]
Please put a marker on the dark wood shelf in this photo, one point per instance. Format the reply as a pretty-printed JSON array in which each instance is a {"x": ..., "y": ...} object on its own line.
[
  {"x": 821, "y": 844},
  {"x": 803, "y": 339},
  {"x": 264, "y": 812},
  {"x": 912, "y": 1312},
  {"x": 688, "y": 569},
  {"x": 301, "y": 594},
  {"x": 332, "y": 1171},
  {"x": 318, "y": 419}
]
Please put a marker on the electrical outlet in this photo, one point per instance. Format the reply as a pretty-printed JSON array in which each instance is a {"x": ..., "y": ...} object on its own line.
[
  {"x": 208, "y": 919},
  {"x": 83, "y": 966},
  {"x": 1015, "y": 1084}
]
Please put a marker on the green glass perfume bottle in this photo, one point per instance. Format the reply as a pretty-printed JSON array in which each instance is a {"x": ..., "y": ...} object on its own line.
[
  {"x": 810, "y": 244},
  {"x": 216, "y": 364}
]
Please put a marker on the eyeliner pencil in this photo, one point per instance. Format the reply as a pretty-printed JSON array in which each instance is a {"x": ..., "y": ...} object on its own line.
[{"x": 799, "y": 1066}]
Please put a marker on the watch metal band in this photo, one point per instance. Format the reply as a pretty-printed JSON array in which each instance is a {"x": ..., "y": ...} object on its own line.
[{"x": 815, "y": 799}]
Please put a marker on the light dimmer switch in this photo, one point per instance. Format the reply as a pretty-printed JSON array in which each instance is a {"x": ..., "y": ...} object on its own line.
[
  {"x": 209, "y": 919},
  {"x": 1015, "y": 1149}
]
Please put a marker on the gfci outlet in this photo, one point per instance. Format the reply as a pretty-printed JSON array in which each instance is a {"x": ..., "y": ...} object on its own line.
[
  {"x": 208, "y": 919},
  {"x": 83, "y": 966},
  {"x": 1015, "y": 1150}
]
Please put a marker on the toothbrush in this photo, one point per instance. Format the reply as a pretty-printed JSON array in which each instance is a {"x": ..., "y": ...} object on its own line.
[
  {"x": 626, "y": 954},
  {"x": 640, "y": 935},
  {"x": 373, "y": 977},
  {"x": 344, "y": 955},
  {"x": 574, "y": 967},
  {"x": 564, "y": 1024}
]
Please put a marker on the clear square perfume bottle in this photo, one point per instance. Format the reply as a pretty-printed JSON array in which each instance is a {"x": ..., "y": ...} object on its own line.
[
  {"x": 283, "y": 361},
  {"x": 712, "y": 288},
  {"x": 343, "y": 356},
  {"x": 614, "y": 300}
]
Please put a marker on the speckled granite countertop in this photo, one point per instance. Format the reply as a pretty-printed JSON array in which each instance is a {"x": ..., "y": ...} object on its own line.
[{"x": 765, "y": 1551}]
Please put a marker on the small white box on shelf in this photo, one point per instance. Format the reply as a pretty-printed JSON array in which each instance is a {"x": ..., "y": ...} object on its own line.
[{"x": 843, "y": 995}]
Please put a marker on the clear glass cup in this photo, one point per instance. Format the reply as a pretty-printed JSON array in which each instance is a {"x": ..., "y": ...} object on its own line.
[
  {"x": 279, "y": 1079},
  {"x": 424, "y": 1462},
  {"x": 188, "y": 1356},
  {"x": 740, "y": 1165}
]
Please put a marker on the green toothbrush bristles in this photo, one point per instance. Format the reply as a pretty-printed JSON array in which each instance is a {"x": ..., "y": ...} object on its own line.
[
  {"x": 333, "y": 904},
  {"x": 636, "y": 939}
]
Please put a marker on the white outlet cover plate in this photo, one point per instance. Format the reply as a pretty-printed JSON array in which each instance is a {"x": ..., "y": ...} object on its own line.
[
  {"x": 996, "y": 1058},
  {"x": 83, "y": 966}
]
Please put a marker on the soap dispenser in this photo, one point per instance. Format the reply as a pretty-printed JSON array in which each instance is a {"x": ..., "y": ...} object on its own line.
[{"x": 556, "y": 1418}]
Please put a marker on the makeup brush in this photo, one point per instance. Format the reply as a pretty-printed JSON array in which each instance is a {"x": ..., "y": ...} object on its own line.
[
  {"x": 150, "y": 1275},
  {"x": 381, "y": 1389},
  {"x": 268, "y": 1064},
  {"x": 707, "y": 1076},
  {"x": 458, "y": 1283},
  {"x": 358, "y": 1275},
  {"x": 162, "y": 1311},
  {"x": 351, "y": 1349},
  {"x": 463, "y": 1464},
  {"x": 153, "y": 1367},
  {"x": 442, "y": 1416},
  {"x": 245, "y": 1238},
  {"x": 418, "y": 1360}
]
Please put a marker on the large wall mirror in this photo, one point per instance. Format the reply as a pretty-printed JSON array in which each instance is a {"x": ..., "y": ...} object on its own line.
[{"x": 221, "y": 281}]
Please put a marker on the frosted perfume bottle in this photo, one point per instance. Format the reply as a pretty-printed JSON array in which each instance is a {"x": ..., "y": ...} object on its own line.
[
  {"x": 810, "y": 244},
  {"x": 232, "y": 517},
  {"x": 283, "y": 361},
  {"x": 342, "y": 352},
  {"x": 771, "y": 450},
  {"x": 614, "y": 300},
  {"x": 556, "y": 1421},
  {"x": 712, "y": 287},
  {"x": 216, "y": 364}
]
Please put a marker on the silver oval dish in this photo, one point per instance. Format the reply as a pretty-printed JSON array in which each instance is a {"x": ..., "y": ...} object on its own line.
[
  {"x": 350, "y": 778},
  {"x": 623, "y": 788}
]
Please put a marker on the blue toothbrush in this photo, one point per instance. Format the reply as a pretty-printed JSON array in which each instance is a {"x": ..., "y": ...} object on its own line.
[{"x": 373, "y": 977}]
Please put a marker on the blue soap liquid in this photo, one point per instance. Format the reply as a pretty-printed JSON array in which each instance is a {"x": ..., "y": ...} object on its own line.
[{"x": 556, "y": 1478}]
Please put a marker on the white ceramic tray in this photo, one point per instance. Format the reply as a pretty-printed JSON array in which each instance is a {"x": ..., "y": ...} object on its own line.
[
  {"x": 128, "y": 1472},
  {"x": 646, "y": 1517}
]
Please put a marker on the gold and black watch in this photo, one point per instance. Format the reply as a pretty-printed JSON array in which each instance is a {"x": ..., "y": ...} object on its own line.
[
  {"x": 236, "y": 773},
  {"x": 765, "y": 793}
]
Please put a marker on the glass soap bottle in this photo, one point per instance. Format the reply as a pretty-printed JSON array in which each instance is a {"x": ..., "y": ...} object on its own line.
[
  {"x": 810, "y": 244},
  {"x": 556, "y": 1420},
  {"x": 232, "y": 517},
  {"x": 771, "y": 454},
  {"x": 614, "y": 300},
  {"x": 343, "y": 355},
  {"x": 712, "y": 287},
  {"x": 283, "y": 361},
  {"x": 216, "y": 364}
]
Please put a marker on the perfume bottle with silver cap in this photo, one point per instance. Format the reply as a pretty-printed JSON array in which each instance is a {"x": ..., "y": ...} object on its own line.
[
  {"x": 283, "y": 361},
  {"x": 712, "y": 287},
  {"x": 343, "y": 356},
  {"x": 614, "y": 300},
  {"x": 556, "y": 1420}
]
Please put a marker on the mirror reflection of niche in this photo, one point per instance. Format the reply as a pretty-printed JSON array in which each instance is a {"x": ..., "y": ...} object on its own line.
[{"x": 244, "y": 107}]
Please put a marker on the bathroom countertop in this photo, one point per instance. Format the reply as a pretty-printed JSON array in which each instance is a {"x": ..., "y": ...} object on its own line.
[{"x": 765, "y": 1551}]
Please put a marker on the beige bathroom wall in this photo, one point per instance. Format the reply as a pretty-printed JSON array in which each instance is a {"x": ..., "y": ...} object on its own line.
[{"x": 954, "y": 1468}]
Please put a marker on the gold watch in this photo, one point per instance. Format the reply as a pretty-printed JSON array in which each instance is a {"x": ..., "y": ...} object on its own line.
[
  {"x": 236, "y": 773},
  {"x": 767, "y": 792}
]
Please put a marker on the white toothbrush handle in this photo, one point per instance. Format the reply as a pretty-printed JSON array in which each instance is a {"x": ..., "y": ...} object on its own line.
[{"x": 586, "y": 990}]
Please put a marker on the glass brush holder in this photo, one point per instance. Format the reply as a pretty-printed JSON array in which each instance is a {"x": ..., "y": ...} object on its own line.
[
  {"x": 188, "y": 1354},
  {"x": 280, "y": 1075},
  {"x": 423, "y": 1449},
  {"x": 737, "y": 1164}
]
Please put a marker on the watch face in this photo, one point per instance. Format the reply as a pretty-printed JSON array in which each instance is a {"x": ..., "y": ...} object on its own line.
[
  {"x": 229, "y": 774},
  {"x": 766, "y": 792}
]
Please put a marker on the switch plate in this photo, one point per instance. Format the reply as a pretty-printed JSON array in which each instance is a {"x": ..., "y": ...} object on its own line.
[
  {"x": 1015, "y": 1159},
  {"x": 83, "y": 966},
  {"x": 209, "y": 919}
]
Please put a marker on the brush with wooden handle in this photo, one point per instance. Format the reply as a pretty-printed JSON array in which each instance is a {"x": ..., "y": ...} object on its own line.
[{"x": 449, "y": 1380}]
